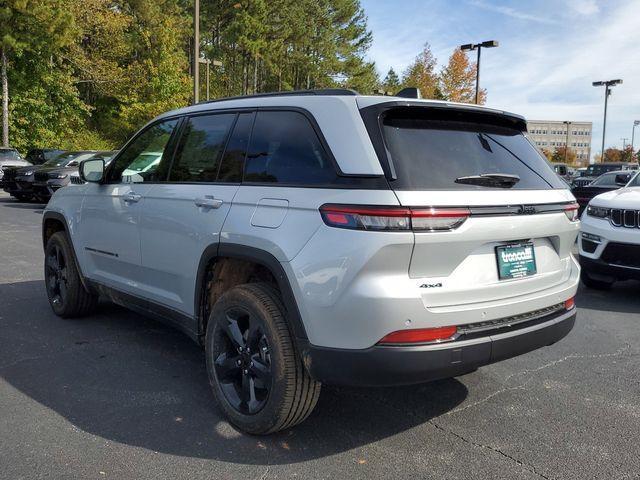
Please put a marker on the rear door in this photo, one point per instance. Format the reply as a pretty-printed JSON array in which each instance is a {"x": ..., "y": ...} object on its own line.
[
  {"x": 183, "y": 214},
  {"x": 513, "y": 237}
]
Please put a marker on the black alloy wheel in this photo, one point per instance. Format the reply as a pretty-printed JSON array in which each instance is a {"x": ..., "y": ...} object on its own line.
[
  {"x": 56, "y": 275},
  {"x": 243, "y": 361}
]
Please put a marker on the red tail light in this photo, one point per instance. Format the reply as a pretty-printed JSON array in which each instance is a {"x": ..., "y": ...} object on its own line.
[
  {"x": 569, "y": 304},
  {"x": 571, "y": 211},
  {"x": 393, "y": 218},
  {"x": 420, "y": 335}
]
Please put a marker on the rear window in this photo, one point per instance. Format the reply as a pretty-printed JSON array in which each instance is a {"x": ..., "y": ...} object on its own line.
[{"x": 431, "y": 154}]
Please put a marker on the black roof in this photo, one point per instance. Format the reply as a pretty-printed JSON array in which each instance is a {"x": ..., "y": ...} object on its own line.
[{"x": 320, "y": 91}]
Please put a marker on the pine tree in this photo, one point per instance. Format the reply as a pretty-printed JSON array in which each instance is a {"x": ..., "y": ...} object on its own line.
[{"x": 391, "y": 82}]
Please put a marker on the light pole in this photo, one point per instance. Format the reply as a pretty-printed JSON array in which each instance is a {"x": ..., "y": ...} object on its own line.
[
  {"x": 478, "y": 46},
  {"x": 208, "y": 63},
  {"x": 566, "y": 145},
  {"x": 624, "y": 142},
  {"x": 196, "y": 51},
  {"x": 607, "y": 91},
  {"x": 633, "y": 131}
]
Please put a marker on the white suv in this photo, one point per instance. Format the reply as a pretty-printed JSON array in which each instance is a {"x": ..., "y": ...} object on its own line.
[
  {"x": 610, "y": 238},
  {"x": 324, "y": 237}
]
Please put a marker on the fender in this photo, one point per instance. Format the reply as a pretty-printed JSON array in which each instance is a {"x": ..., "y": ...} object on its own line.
[
  {"x": 49, "y": 214},
  {"x": 261, "y": 257}
]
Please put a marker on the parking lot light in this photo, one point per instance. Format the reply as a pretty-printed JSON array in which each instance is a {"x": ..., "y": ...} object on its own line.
[{"x": 478, "y": 46}]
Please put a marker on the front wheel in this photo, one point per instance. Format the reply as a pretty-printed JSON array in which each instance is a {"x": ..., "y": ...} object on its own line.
[
  {"x": 67, "y": 296},
  {"x": 257, "y": 378}
]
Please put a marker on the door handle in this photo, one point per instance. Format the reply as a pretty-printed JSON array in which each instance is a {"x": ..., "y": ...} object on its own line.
[
  {"x": 132, "y": 197},
  {"x": 208, "y": 201}
]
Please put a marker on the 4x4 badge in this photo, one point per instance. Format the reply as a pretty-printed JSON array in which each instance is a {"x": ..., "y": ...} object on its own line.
[{"x": 431, "y": 285}]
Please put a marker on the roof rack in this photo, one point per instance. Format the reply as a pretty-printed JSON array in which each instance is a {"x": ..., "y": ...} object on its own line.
[{"x": 320, "y": 91}]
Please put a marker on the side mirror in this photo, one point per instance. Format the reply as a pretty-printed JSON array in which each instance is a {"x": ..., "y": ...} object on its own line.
[
  {"x": 92, "y": 170},
  {"x": 622, "y": 179}
]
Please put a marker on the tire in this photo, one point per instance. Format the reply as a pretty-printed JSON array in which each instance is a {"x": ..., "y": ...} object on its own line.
[
  {"x": 21, "y": 197},
  {"x": 67, "y": 296},
  {"x": 590, "y": 282},
  {"x": 248, "y": 344}
]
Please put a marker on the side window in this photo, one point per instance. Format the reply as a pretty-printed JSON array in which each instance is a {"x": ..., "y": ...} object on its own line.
[
  {"x": 203, "y": 140},
  {"x": 236, "y": 151},
  {"x": 285, "y": 149},
  {"x": 139, "y": 161}
]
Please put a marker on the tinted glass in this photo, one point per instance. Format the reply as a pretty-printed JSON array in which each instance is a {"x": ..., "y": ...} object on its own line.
[
  {"x": 431, "y": 154},
  {"x": 636, "y": 181},
  {"x": 236, "y": 151},
  {"x": 285, "y": 149},
  {"x": 139, "y": 161},
  {"x": 8, "y": 154},
  {"x": 68, "y": 159},
  {"x": 608, "y": 179},
  {"x": 200, "y": 149}
]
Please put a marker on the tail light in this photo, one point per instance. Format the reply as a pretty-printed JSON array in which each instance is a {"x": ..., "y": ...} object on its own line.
[
  {"x": 571, "y": 211},
  {"x": 420, "y": 335},
  {"x": 393, "y": 218}
]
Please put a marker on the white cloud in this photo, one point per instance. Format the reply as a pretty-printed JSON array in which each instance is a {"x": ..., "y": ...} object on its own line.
[
  {"x": 512, "y": 12},
  {"x": 584, "y": 7}
]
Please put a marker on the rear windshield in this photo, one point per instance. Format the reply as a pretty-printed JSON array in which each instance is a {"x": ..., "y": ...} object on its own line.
[
  {"x": 597, "y": 170},
  {"x": 430, "y": 154}
]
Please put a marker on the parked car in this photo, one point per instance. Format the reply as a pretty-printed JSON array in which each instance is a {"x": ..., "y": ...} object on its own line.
[
  {"x": 38, "y": 156},
  {"x": 610, "y": 237},
  {"x": 20, "y": 181},
  {"x": 10, "y": 160},
  {"x": 324, "y": 237},
  {"x": 72, "y": 176},
  {"x": 604, "y": 183},
  {"x": 52, "y": 176},
  {"x": 595, "y": 170}
]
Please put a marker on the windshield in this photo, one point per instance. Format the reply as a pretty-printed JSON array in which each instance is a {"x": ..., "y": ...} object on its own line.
[
  {"x": 66, "y": 158},
  {"x": 606, "y": 180},
  {"x": 9, "y": 154},
  {"x": 436, "y": 154},
  {"x": 635, "y": 182}
]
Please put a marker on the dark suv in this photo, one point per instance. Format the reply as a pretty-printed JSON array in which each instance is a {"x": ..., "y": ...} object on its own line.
[
  {"x": 595, "y": 170},
  {"x": 56, "y": 174}
]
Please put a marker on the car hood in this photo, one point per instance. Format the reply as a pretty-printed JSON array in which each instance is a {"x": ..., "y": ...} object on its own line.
[
  {"x": 628, "y": 197},
  {"x": 57, "y": 169},
  {"x": 14, "y": 163}
]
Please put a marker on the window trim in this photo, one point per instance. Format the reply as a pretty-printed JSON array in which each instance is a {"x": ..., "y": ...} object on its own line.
[{"x": 181, "y": 136}]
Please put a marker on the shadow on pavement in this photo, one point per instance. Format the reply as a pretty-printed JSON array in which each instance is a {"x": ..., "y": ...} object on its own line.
[
  {"x": 135, "y": 381},
  {"x": 623, "y": 297}
]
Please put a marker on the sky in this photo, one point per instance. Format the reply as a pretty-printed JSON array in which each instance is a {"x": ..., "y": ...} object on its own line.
[{"x": 549, "y": 54}]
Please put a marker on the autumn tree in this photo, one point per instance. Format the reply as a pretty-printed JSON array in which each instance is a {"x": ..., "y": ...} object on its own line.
[
  {"x": 422, "y": 74},
  {"x": 563, "y": 155},
  {"x": 547, "y": 153},
  {"x": 612, "y": 155},
  {"x": 458, "y": 80}
]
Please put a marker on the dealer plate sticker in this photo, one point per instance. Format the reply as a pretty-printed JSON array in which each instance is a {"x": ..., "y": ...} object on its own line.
[{"x": 516, "y": 261}]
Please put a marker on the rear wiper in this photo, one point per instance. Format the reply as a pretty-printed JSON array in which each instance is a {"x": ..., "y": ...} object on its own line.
[{"x": 495, "y": 180}]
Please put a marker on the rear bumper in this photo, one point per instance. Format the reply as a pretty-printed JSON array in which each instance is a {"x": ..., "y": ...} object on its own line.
[
  {"x": 608, "y": 271},
  {"x": 388, "y": 366}
]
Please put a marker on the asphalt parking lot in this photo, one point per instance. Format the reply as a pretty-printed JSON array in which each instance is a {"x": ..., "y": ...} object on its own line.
[{"x": 120, "y": 396}]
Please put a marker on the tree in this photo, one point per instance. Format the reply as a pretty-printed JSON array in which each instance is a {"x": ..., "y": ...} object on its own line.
[
  {"x": 391, "y": 82},
  {"x": 612, "y": 155},
  {"x": 421, "y": 74},
  {"x": 547, "y": 153},
  {"x": 626, "y": 154},
  {"x": 559, "y": 155},
  {"x": 458, "y": 80}
]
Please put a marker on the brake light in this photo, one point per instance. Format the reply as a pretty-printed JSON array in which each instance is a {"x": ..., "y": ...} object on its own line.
[
  {"x": 393, "y": 218},
  {"x": 571, "y": 211},
  {"x": 420, "y": 335},
  {"x": 569, "y": 304}
]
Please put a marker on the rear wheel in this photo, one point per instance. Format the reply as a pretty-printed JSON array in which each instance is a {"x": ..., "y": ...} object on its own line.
[
  {"x": 591, "y": 282},
  {"x": 257, "y": 378},
  {"x": 67, "y": 296}
]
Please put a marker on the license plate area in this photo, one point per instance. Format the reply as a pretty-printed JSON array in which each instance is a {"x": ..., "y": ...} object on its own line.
[{"x": 516, "y": 260}]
